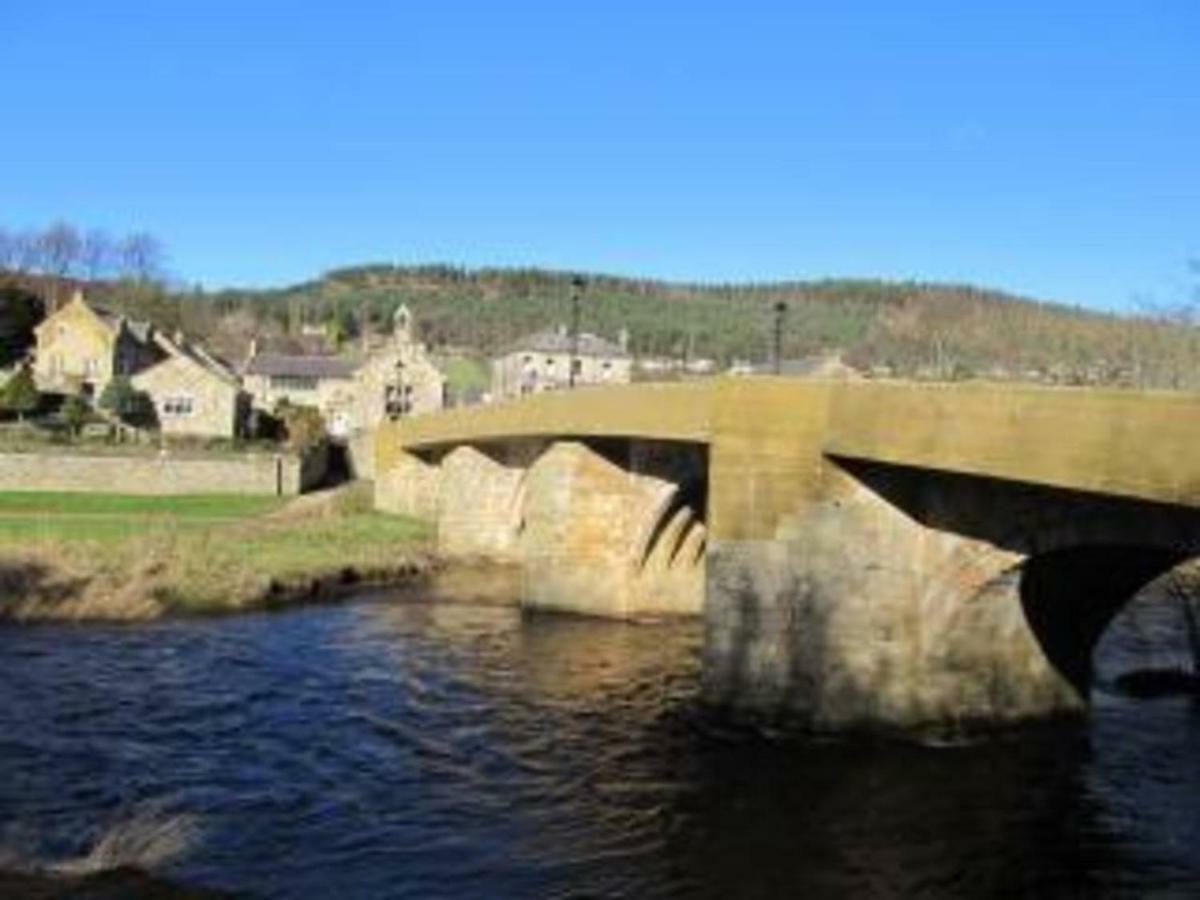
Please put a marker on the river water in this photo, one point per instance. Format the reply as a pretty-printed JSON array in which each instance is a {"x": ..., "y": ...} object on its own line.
[{"x": 401, "y": 749}]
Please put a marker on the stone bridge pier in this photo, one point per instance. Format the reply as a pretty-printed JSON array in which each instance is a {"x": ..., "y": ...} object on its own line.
[{"x": 606, "y": 527}]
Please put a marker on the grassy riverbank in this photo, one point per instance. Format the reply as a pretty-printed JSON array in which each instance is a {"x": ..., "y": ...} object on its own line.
[{"x": 96, "y": 556}]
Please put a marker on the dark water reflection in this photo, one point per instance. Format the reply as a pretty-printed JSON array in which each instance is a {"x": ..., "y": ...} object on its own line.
[{"x": 426, "y": 751}]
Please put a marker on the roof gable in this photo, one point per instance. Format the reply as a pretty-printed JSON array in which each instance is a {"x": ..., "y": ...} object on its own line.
[{"x": 77, "y": 313}]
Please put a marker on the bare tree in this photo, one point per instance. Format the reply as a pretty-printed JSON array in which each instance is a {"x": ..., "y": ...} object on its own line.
[
  {"x": 29, "y": 251},
  {"x": 141, "y": 257},
  {"x": 8, "y": 250},
  {"x": 61, "y": 248},
  {"x": 98, "y": 254}
]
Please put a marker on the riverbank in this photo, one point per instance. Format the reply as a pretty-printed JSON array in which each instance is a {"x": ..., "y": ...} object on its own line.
[{"x": 115, "y": 557}]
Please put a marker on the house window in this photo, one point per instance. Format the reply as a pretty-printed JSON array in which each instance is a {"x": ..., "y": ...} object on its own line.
[
  {"x": 177, "y": 406},
  {"x": 293, "y": 382},
  {"x": 398, "y": 400},
  {"x": 91, "y": 367},
  {"x": 577, "y": 366}
]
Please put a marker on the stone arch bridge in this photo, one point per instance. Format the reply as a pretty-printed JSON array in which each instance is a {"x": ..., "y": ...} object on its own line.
[{"x": 864, "y": 554}]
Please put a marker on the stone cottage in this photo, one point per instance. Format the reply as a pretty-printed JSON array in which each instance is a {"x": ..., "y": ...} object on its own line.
[
  {"x": 325, "y": 383},
  {"x": 80, "y": 348},
  {"x": 194, "y": 394},
  {"x": 543, "y": 362},
  {"x": 398, "y": 378}
]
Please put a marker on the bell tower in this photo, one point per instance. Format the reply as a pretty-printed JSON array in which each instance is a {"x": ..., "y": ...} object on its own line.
[{"x": 402, "y": 326}]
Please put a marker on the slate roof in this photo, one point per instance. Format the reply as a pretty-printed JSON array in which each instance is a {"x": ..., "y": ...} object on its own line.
[
  {"x": 276, "y": 364},
  {"x": 559, "y": 341},
  {"x": 140, "y": 329},
  {"x": 197, "y": 355}
]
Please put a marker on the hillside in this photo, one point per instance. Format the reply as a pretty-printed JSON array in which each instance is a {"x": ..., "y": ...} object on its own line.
[{"x": 907, "y": 329}]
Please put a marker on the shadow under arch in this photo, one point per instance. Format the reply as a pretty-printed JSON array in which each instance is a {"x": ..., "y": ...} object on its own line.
[{"x": 1070, "y": 595}]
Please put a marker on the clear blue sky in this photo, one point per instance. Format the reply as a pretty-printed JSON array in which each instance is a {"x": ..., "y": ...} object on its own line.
[{"x": 1045, "y": 148}]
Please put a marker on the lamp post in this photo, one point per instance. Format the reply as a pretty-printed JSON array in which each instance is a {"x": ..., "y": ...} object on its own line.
[
  {"x": 577, "y": 285},
  {"x": 780, "y": 309}
]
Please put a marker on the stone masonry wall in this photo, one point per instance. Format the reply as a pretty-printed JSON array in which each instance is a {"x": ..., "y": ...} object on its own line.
[{"x": 249, "y": 474}]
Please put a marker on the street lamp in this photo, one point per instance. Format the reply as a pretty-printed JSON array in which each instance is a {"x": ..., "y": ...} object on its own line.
[
  {"x": 577, "y": 285},
  {"x": 780, "y": 309}
]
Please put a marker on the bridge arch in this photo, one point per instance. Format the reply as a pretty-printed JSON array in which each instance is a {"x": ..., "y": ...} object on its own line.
[
  {"x": 1020, "y": 581},
  {"x": 1071, "y": 595}
]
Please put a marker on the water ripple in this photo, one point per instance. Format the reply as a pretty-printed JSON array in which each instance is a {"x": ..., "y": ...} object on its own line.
[{"x": 414, "y": 750}]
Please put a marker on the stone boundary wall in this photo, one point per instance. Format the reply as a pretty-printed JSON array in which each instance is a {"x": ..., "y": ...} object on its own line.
[{"x": 251, "y": 473}]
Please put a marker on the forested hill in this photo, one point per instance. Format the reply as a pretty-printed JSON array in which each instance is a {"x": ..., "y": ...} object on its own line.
[
  {"x": 930, "y": 330},
  {"x": 909, "y": 328}
]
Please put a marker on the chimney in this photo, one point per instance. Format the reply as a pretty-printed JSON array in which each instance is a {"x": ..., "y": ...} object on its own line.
[
  {"x": 623, "y": 339},
  {"x": 253, "y": 352}
]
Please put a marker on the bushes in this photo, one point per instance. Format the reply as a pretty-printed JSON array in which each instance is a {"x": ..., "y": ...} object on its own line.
[
  {"x": 20, "y": 311},
  {"x": 20, "y": 396},
  {"x": 75, "y": 412},
  {"x": 127, "y": 403},
  {"x": 303, "y": 426}
]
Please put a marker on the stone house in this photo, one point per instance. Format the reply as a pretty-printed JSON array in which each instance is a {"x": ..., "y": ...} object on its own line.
[
  {"x": 398, "y": 377},
  {"x": 353, "y": 393},
  {"x": 80, "y": 348},
  {"x": 323, "y": 382},
  {"x": 543, "y": 362},
  {"x": 194, "y": 394}
]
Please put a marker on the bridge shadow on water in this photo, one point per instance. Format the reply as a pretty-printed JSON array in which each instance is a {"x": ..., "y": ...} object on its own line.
[{"x": 621, "y": 783}]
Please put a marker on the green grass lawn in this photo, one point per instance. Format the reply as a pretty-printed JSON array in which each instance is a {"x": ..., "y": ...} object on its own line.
[
  {"x": 203, "y": 552},
  {"x": 465, "y": 373},
  {"x": 108, "y": 517}
]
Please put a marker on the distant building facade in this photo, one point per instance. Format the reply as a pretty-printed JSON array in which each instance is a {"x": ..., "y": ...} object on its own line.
[
  {"x": 829, "y": 365},
  {"x": 543, "y": 361}
]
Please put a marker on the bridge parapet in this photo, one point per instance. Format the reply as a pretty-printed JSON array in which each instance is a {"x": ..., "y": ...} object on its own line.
[{"x": 1138, "y": 444}]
